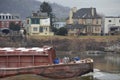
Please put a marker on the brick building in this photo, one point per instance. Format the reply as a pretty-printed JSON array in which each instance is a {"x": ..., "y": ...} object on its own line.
[{"x": 7, "y": 18}]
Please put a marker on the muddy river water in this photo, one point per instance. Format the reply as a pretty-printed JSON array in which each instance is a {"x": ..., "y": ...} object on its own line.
[{"x": 106, "y": 66}]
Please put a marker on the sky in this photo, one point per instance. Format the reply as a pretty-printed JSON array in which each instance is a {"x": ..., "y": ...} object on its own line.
[{"x": 106, "y": 7}]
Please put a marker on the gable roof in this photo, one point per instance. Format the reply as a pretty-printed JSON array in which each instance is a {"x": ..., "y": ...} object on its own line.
[{"x": 86, "y": 13}]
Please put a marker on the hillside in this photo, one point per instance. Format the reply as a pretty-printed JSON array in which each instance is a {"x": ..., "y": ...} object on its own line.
[{"x": 25, "y": 8}]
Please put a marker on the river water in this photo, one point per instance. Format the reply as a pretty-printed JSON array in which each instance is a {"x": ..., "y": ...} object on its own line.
[{"x": 106, "y": 66}]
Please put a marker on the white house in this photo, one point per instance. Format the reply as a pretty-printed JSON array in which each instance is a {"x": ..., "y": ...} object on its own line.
[
  {"x": 59, "y": 24},
  {"x": 111, "y": 24},
  {"x": 39, "y": 25}
]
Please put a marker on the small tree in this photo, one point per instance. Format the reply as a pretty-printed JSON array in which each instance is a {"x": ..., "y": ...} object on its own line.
[
  {"x": 62, "y": 31},
  {"x": 17, "y": 27},
  {"x": 54, "y": 29},
  {"x": 45, "y": 7},
  {"x": 14, "y": 27}
]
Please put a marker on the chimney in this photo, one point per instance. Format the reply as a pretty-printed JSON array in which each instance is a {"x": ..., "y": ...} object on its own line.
[
  {"x": 74, "y": 9},
  {"x": 70, "y": 16},
  {"x": 93, "y": 11}
]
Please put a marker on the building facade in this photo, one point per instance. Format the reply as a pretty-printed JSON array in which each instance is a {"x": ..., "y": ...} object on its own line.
[
  {"x": 38, "y": 24},
  {"x": 111, "y": 25},
  {"x": 84, "y": 21},
  {"x": 6, "y": 19}
]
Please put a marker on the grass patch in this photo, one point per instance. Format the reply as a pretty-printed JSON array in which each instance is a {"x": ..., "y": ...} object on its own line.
[{"x": 97, "y": 38}]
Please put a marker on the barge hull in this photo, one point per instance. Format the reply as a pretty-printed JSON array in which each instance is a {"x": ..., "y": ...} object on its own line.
[{"x": 57, "y": 71}]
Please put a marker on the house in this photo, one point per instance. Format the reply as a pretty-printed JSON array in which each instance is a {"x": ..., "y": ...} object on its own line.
[
  {"x": 84, "y": 21},
  {"x": 76, "y": 29},
  {"x": 111, "y": 25},
  {"x": 38, "y": 24},
  {"x": 7, "y": 18},
  {"x": 59, "y": 24}
]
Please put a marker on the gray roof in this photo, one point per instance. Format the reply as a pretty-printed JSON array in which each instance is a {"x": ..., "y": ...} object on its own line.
[
  {"x": 40, "y": 14},
  {"x": 75, "y": 26},
  {"x": 86, "y": 13},
  {"x": 112, "y": 17}
]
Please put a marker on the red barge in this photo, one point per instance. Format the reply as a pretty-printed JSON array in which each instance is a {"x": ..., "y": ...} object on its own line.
[{"x": 40, "y": 61}]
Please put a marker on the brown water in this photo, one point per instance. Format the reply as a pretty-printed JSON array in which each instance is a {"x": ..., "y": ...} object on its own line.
[{"x": 106, "y": 65}]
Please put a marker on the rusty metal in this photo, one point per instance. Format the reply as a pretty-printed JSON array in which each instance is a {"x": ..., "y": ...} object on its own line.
[{"x": 15, "y": 61}]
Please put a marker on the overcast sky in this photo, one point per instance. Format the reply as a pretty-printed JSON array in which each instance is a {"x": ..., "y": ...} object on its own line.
[{"x": 106, "y": 7}]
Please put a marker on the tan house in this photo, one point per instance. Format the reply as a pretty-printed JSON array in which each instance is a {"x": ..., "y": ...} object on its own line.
[
  {"x": 39, "y": 24},
  {"x": 84, "y": 21}
]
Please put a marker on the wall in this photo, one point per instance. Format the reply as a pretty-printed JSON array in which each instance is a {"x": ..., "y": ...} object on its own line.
[{"x": 115, "y": 21}]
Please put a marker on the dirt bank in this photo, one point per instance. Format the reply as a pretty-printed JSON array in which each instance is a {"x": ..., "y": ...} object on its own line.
[{"x": 64, "y": 43}]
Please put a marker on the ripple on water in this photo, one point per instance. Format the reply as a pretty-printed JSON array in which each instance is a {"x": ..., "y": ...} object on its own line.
[{"x": 105, "y": 76}]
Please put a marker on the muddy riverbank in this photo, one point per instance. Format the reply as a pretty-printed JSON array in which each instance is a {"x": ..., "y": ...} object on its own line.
[{"x": 62, "y": 43}]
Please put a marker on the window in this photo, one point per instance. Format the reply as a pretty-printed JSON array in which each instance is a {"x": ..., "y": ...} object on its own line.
[
  {"x": 35, "y": 21},
  {"x": 3, "y": 17},
  {"x": 9, "y": 17},
  {"x": 46, "y": 29},
  {"x": 72, "y": 29},
  {"x": 119, "y": 21},
  {"x": 34, "y": 29},
  {"x": 41, "y": 29},
  {"x": 97, "y": 28},
  {"x": 12, "y": 17},
  {"x": 110, "y": 21},
  {"x": 3, "y": 23},
  {"x": 6, "y": 17},
  {"x": 98, "y": 21},
  {"x": 75, "y": 21},
  {"x": 88, "y": 21},
  {"x": 0, "y": 17}
]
